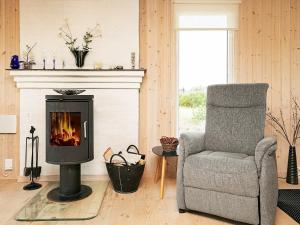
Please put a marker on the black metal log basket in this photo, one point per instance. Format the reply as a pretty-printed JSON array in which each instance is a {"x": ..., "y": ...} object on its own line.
[{"x": 125, "y": 177}]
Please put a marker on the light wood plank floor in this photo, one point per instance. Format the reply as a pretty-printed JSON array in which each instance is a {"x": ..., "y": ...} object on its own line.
[{"x": 142, "y": 207}]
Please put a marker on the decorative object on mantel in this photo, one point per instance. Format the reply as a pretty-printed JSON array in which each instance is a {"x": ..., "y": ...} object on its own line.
[
  {"x": 98, "y": 66},
  {"x": 118, "y": 68},
  {"x": 14, "y": 62},
  {"x": 69, "y": 91},
  {"x": 79, "y": 52},
  {"x": 53, "y": 64},
  {"x": 279, "y": 125},
  {"x": 44, "y": 64},
  {"x": 133, "y": 60},
  {"x": 21, "y": 65},
  {"x": 28, "y": 58},
  {"x": 32, "y": 171},
  {"x": 169, "y": 143},
  {"x": 79, "y": 57}
]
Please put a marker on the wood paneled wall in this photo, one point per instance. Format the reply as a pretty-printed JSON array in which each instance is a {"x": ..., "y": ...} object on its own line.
[
  {"x": 268, "y": 50},
  {"x": 9, "y": 94},
  {"x": 157, "y": 98}
]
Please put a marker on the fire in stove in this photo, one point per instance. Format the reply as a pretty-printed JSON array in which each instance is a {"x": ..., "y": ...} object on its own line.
[{"x": 65, "y": 129}]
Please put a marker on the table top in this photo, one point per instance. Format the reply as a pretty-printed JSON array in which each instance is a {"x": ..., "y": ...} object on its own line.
[{"x": 158, "y": 150}]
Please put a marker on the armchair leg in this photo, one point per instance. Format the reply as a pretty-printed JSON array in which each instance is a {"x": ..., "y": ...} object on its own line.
[{"x": 181, "y": 210}]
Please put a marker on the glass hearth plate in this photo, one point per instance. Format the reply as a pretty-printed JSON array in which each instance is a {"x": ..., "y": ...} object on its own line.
[{"x": 39, "y": 208}]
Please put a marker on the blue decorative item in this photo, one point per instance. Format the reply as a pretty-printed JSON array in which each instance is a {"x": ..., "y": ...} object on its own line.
[{"x": 14, "y": 63}]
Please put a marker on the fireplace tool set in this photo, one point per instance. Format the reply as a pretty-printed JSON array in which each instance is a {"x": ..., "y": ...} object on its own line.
[{"x": 34, "y": 171}]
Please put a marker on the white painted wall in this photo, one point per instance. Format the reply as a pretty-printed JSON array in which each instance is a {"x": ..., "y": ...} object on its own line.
[{"x": 40, "y": 21}]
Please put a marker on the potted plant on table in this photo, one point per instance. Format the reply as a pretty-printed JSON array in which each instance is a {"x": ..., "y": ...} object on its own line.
[
  {"x": 78, "y": 51},
  {"x": 278, "y": 123}
]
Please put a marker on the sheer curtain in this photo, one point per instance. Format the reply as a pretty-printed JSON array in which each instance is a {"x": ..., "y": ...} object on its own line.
[{"x": 199, "y": 14}]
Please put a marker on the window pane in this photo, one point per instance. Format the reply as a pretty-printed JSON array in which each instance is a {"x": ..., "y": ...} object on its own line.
[{"x": 202, "y": 62}]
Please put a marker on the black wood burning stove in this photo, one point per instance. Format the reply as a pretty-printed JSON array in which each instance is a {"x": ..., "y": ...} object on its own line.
[{"x": 69, "y": 142}]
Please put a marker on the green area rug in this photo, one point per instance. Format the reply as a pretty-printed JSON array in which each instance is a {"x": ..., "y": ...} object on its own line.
[{"x": 39, "y": 208}]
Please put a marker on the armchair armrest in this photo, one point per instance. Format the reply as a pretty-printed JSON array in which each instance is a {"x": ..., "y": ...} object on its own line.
[
  {"x": 265, "y": 147},
  {"x": 191, "y": 143}
]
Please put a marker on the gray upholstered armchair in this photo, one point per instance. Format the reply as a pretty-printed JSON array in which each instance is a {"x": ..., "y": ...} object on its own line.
[{"x": 230, "y": 170}]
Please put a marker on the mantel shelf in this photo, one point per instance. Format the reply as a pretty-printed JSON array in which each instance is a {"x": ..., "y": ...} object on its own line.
[
  {"x": 88, "y": 79},
  {"x": 141, "y": 69}
]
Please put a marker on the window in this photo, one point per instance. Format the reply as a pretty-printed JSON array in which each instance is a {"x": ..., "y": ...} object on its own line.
[
  {"x": 204, "y": 53},
  {"x": 202, "y": 61}
]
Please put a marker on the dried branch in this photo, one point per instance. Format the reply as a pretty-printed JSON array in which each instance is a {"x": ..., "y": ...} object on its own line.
[
  {"x": 66, "y": 34},
  {"x": 279, "y": 125},
  {"x": 283, "y": 124},
  {"x": 276, "y": 123},
  {"x": 278, "y": 131},
  {"x": 295, "y": 102},
  {"x": 27, "y": 53},
  {"x": 296, "y": 132}
]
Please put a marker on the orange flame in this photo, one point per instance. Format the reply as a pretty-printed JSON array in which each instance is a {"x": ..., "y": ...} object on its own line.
[{"x": 64, "y": 132}]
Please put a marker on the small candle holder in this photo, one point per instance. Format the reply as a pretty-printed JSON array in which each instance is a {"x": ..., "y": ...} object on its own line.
[
  {"x": 133, "y": 60},
  {"x": 44, "y": 64}
]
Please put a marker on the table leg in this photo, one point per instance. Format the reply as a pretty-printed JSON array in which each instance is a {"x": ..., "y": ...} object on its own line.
[
  {"x": 163, "y": 173},
  {"x": 158, "y": 169}
]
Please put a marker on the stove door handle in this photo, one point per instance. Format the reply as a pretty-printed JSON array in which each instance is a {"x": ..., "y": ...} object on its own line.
[{"x": 84, "y": 127}]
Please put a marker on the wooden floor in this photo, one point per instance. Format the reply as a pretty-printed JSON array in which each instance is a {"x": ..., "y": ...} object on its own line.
[{"x": 142, "y": 207}]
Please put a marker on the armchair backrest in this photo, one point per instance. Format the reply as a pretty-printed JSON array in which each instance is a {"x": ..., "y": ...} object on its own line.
[{"x": 235, "y": 117}]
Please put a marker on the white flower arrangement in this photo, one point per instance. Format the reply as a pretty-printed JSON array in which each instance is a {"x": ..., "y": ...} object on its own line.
[{"x": 66, "y": 34}]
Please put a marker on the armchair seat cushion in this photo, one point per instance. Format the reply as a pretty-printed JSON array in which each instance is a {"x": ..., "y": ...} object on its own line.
[{"x": 227, "y": 172}]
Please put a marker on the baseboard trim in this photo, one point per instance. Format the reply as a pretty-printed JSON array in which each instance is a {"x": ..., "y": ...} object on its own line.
[
  {"x": 48, "y": 178},
  {"x": 281, "y": 174}
]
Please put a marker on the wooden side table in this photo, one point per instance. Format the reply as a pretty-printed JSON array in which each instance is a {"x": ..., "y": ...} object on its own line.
[{"x": 158, "y": 150}]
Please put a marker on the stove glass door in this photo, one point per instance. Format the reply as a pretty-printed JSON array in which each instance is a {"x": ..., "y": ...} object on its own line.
[{"x": 65, "y": 128}]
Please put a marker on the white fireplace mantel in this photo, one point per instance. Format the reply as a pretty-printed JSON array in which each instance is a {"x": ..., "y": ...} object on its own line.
[
  {"x": 88, "y": 79},
  {"x": 116, "y": 109}
]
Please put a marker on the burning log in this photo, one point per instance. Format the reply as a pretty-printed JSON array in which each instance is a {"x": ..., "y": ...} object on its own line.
[{"x": 64, "y": 131}]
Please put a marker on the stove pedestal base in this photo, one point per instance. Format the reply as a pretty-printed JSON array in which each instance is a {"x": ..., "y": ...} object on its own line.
[
  {"x": 56, "y": 196},
  {"x": 70, "y": 188}
]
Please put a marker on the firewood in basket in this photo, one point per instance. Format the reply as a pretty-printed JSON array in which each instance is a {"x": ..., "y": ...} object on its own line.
[
  {"x": 107, "y": 154},
  {"x": 116, "y": 160},
  {"x": 142, "y": 162}
]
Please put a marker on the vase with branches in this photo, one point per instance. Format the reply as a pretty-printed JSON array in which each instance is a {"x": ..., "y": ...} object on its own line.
[
  {"x": 28, "y": 58},
  {"x": 79, "y": 51},
  {"x": 279, "y": 125}
]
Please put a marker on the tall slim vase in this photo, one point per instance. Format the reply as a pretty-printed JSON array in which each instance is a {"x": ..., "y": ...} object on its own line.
[{"x": 292, "y": 169}]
